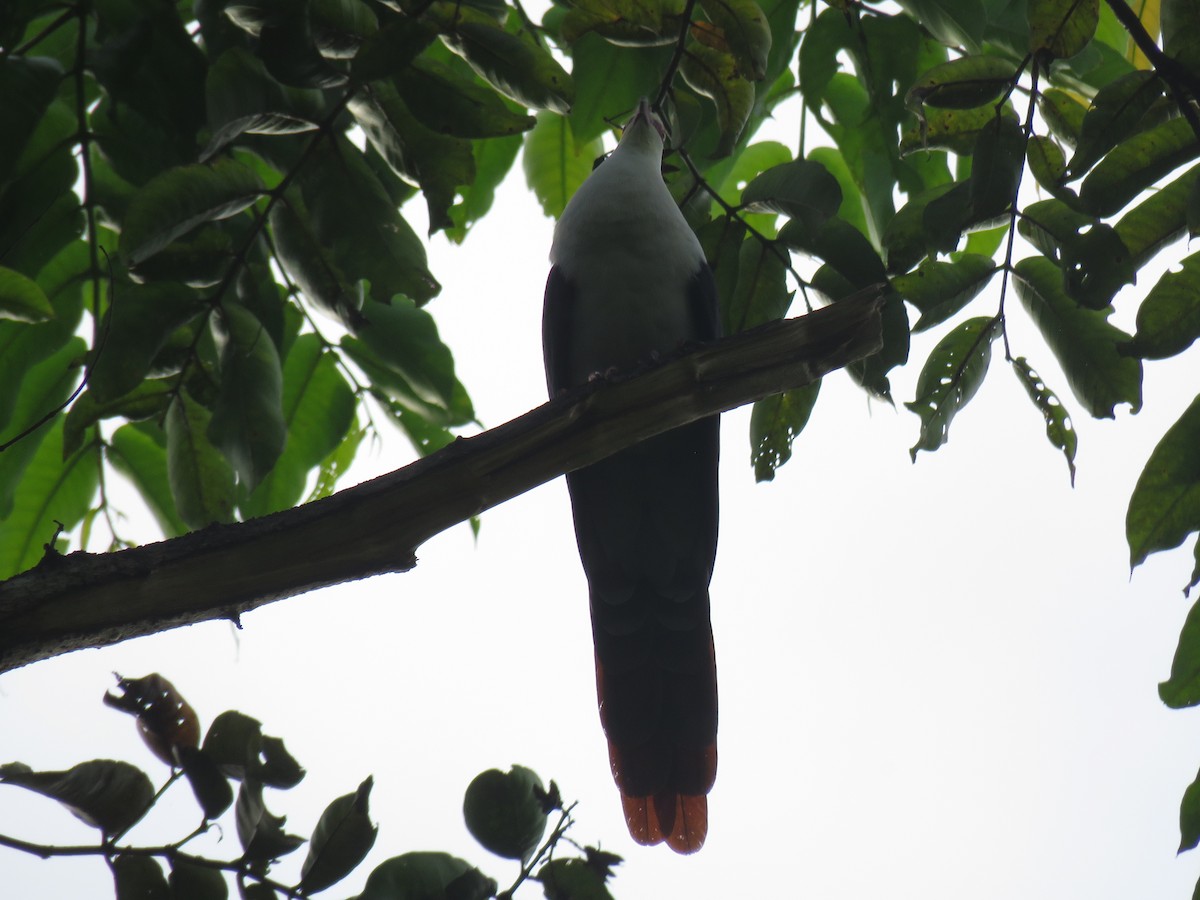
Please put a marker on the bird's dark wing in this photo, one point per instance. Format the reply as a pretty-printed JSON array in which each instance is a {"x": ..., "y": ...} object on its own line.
[{"x": 556, "y": 330}]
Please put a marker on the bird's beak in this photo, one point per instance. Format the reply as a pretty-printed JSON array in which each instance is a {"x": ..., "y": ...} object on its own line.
[{"x": 646, "y": 113}]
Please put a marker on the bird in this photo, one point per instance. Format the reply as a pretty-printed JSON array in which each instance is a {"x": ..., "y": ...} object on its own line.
[{"x": 629, "y": 282}]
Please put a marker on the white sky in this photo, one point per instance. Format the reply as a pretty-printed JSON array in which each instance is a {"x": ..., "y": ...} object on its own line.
[{"x": 936, "y": 680}]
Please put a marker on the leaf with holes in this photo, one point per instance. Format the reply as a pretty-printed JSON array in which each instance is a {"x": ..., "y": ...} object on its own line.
[
  {"x": 775, "y": 423},
  {"x": 1059, "y": 430},
  {"x": 950, "y": 378}
]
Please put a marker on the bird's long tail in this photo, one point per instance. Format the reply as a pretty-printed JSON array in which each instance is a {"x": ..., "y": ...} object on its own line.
[{"x": 646, "y": 522}]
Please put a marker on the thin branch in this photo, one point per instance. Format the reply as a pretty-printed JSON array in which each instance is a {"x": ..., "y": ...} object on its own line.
[{"x": 677, "y": 57}]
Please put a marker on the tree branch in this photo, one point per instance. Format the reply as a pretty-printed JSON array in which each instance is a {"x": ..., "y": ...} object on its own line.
[{"x": 92, "y": 600}]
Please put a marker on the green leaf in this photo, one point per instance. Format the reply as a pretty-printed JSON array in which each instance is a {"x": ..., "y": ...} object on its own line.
[
  {"x": 841, "y": 245},
  {"x": 956, "y": 130},
  {"x": 201, "y": 479},
  {"x": 1189, "y": 816},
  {"x": 1165, "y": 505},
  {"x": 174, "y": 202},
  {"x": 1159, "y": 220},
  {"x": 28, "y": 86},
  {"x": 512, "y": 64},
  {"x": 956, "y": 23},
  {"x": 343, "y": 837},
  {"x": 505, "y": 811},
  {"x": 44, "y": 385},
  {"x": 996, "y": 169},
  {"x": 1182, "y": 689},
  {"x": 103, "y": 793},
  {"x": 963, "y": 83},
  {"x": 336, "y": 464},
  {"x": 140, "y": 319},
  {"x": 801, "y": 189},
  {"x": 308, "y": 259},
  {"x": 1168, "y": 321},
  {"x": 52, "y": 489},
  {"x": 941, "y": 289},
  {"x": 493, "y": 160},
  {"x": 761, "y": 294},
  {"x": 714, "y": 74},
  {"x": 610, "y": 80},
  {"x": 247, "y": 419},
  {"x": 950, "y": 378},
  {"x": 391, "y": 48},
  {"x": 1083, "y": 340},
  {"x": 775, "y": 423},
  {"x": 744, "y": 31},
  {"x": 1116, "y": 112},
  {"x": 436, "y": 162},
  {"x": 1061, "y": 28},
  {"x": 148, "y": 399},
  {"x": 555, "y": 163},
  {"x": 1059, "y": 430},
  {"x": 21, "y": 299},
  {"x": 406, "y": 340},
  {"x": 242, "y": 98},
  {"x": 357, "y": 224},
  {"x": 1063, "y": 113},
  {"x": 904, "y": 240},
  {"x": 1136, "y": 164},
  {"x": 139, "y": 452},
  {"x": 318, "y": 407},
  {"x": 419, "y": 875},
  {"x": 451, "y": 101},
  {"x": 1181, "y": 32}
]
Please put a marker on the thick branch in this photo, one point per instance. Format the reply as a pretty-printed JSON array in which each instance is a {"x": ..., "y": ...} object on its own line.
[{"x": 92, "y": 600}]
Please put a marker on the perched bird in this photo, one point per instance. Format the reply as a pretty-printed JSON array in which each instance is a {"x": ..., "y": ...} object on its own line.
[{"x": 630, "y": 281}]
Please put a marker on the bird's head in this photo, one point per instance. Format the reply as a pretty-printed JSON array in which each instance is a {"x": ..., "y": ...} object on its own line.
[{"x": 645, "y": 130}]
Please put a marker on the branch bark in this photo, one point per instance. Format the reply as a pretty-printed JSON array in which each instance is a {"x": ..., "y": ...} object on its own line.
[{"x": 96, "y": 599}]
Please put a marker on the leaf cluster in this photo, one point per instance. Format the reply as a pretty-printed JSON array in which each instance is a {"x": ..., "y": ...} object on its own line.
[{"x": 507, "y": 812}]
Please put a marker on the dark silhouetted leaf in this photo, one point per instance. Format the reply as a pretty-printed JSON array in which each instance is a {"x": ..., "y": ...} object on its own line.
[
  {"x": 343, "y": 837},
  {"x": 139, "y": 878},
  {"x": 259, "y": 831},
  {"x": 422, "y": 874},
  {"x": 1135, "y": 165},
  {"x": 504, "y": 812},
  {"x": 104, "y": 793}
]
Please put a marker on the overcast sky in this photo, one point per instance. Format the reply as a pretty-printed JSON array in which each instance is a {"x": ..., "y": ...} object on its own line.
[{"x": 936, "y": 680}]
